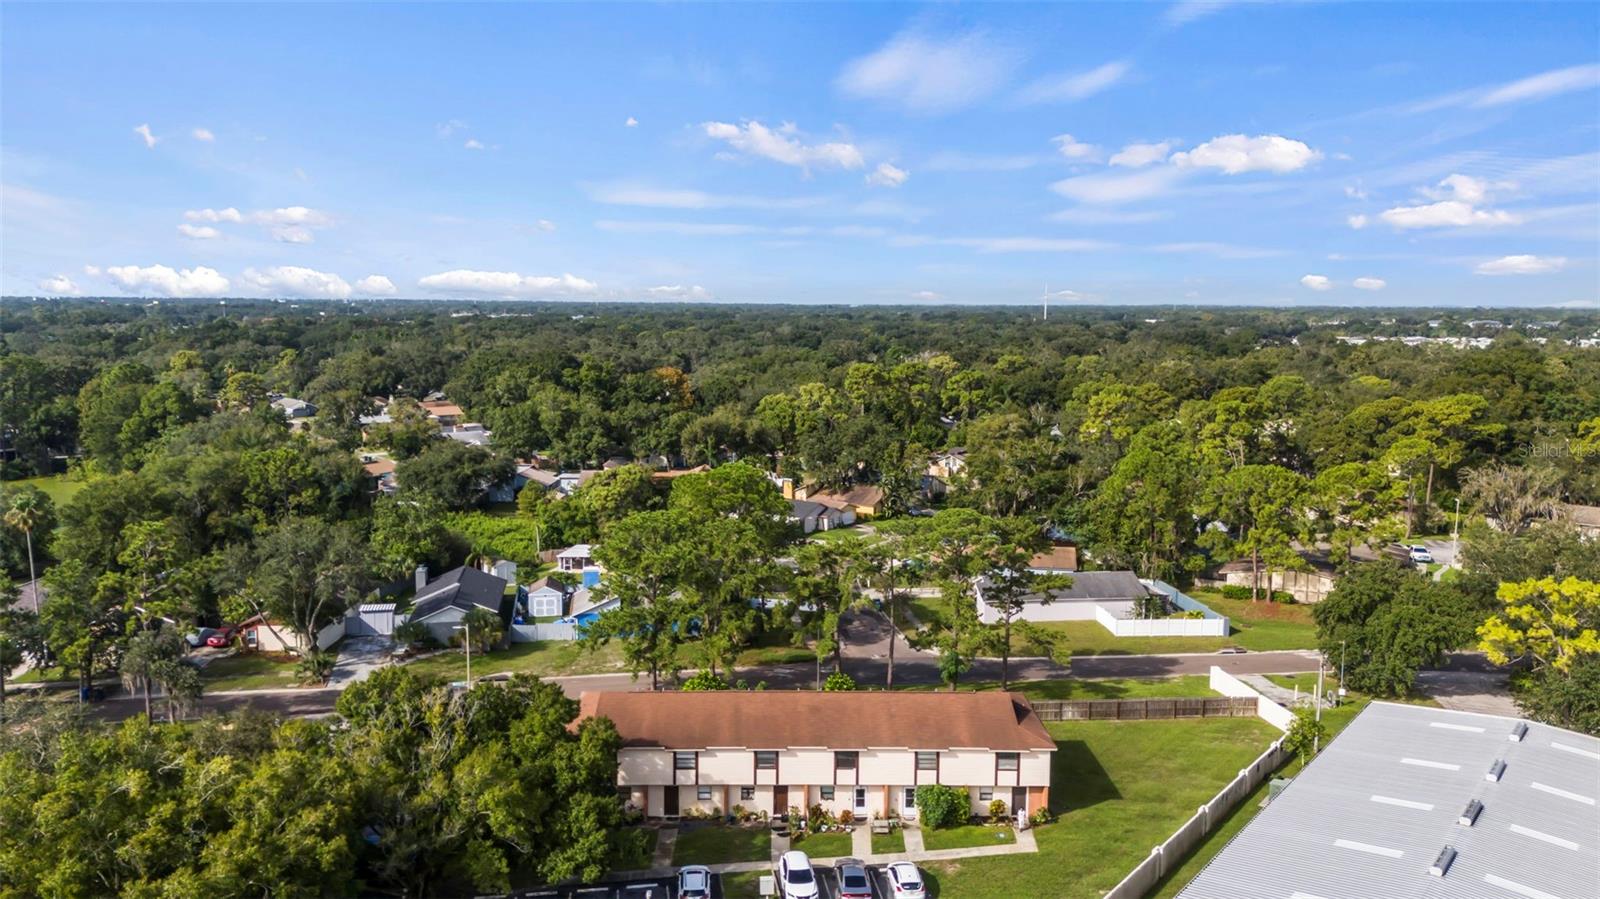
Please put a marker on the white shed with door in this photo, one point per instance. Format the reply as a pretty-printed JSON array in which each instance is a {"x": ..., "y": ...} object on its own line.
[{"x": 372, "y": 620}]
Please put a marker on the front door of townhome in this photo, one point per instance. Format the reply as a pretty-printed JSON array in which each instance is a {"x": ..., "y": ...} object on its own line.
[
  {"x": 780, "y": 801},
  {"x": 861, "y": 802},
  {"x": 669, "y": 802},
  {"x": 1019, "y": 800},
  {"x": 908, "y": 802}
]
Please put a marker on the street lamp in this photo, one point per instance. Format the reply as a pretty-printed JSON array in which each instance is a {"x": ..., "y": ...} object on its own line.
[
  {"x": 1455, "y": 538},
  {"x": 468, "y": 643}
]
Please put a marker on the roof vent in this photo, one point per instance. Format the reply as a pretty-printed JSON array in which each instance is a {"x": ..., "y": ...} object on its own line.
[
  {"x": 1495, "y": 770},
  {"x": 1447, "y": 855},
  {"x": 1469, "y": 815},
  {"x": 1518, "y": 732}
]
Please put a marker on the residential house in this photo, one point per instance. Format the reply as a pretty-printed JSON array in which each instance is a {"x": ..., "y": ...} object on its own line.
[
  {"x": 1117, "y": 592},
  {"x": 380, "y": 474},
  {"x": 862, "y": 752},
  {"x": 1061, "y": 558},
  {"x": 1585, "y": 518},
  {"x": 293, "y": 408},
  {"x": 262, "y": 634},
  {"x": 667, "y": 474},
  {"x": 1309, "y": 584},
  {"x": 949, "y": 463},
  {"x": 579, "y": 560},
  {"x": 813, "y": 516},
  {"x": 471, "y": 433},
  {"x": 443, "y": 602},
  {"x": 442, "y": 411},
  {"x": 567, "y": 482},
  {"x": 864, "y": 500},
  {"x": 584, "y": 605}
]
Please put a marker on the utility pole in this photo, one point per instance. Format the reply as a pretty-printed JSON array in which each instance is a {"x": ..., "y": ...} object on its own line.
[{"x": 1455, "y": 538}]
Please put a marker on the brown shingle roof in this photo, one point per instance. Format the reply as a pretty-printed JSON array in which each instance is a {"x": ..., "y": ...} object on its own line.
[
  {"x": 1059, "y": 558},
  {"x": 1582, "y": 516},
  {"x": 779, "y": 719}
]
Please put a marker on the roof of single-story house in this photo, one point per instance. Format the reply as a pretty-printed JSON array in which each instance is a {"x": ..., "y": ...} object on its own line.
[
  {"x": 860, "y": 495},
  {"x": 779, "y": 719},
  {"x": 667, "y": 474},
  {"x": 1376, "y": 808},
  {"x": 472, "y": 434},
  {"x": 577, "y": 551},
  {"x": 1097, "y": 586},
  {"x": 802, "y": 509},
  {"x": 583, "y": 600},
  {"x": 461, "y": 588},
  {"x": 441, "y": 409},
  {"x": 1582, "y": 516},
  {"x": 379, "y": 467},
  {"x": 1320, "y": 559},
  {"x": 1056, "y": 558}
]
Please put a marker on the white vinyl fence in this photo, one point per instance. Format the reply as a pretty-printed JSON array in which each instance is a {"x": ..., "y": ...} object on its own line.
[
  {"x": 1212, "y": 625},
  {"x": 1177, "y": 847},
  {"x": 1269, "y": 711},
  {"x": 555, "y": 630}
]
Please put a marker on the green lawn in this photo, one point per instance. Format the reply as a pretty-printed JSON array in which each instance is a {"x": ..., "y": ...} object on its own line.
[
  {"x": 1120, "y": 788},
  {"x": 60, "y": 488},
  {"x": 713, "y": 844},
  {"x": 1187, "y": 686},
  {"x": 885, "y": 843},
  {"x": 36, "y": 675},
  {"x": 741, "y": 886},
  {"x": 548, "y": 658},
  {"x": 967, "y": 835},
  {"x": 824, "y": 845},
  {"x": 251, "y": 671}
]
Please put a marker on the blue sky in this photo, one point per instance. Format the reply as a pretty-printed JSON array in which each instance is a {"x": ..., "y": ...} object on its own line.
[{"x": 1271, "y": 153}]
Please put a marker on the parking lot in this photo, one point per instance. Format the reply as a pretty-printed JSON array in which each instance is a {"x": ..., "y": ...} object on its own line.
[{"x": 667, "y": 888}]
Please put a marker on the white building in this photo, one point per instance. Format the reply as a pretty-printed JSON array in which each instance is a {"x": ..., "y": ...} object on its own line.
[{"x": 860, "y": 752}]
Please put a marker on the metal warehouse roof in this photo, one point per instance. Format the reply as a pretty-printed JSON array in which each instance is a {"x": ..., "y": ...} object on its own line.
[{"x": 1370, "y": 816}]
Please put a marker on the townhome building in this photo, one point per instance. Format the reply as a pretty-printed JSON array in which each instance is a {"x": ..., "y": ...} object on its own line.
[{"x": 862, "y": 752}]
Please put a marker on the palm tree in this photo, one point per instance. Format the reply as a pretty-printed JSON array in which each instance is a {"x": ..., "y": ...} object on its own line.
[{"x": 27, "y": 510}]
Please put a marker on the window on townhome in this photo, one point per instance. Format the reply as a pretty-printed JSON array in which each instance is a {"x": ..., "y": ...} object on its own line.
[
  {"x": 827, "y": 793},
  {"x": 985, "y": 794},
  {"x": 683, "y": 761},
  {"x": 1007, "y": 761},
  {"x": 911, "y": 797},
  {"x": 747, "y": 794},
  {"x": 704, "y": 794},
  {"x": 846, "y": 761},
  {"x": 927, "y": 761},
  {"x": 767, "y": 760}
]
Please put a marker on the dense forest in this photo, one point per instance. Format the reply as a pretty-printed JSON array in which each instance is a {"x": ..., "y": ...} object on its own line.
[{"x": 1165, "y": 441}]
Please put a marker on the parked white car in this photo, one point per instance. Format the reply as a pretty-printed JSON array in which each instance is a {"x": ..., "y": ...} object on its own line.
[
  {"x": 694, "y": 882},
  {"x": 906, "y": 881},
  {"x": 795, "y": 877},
  {"x": 1420, "y": 555}
]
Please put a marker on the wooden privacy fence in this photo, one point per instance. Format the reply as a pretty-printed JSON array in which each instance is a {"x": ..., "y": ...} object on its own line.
[{"x": 1141, "y": 709}]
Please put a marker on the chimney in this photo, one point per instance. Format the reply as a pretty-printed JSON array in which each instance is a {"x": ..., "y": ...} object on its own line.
[{"x": 422, "y": 576}]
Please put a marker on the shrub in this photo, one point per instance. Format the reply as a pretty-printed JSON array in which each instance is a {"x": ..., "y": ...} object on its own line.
[
  {"x": 703, "y": 681},
  {"x": 847, "y": 817},
  {"x": 941, "y": 806},
  {"x": 1234, "y": 591},
  {"x": 997, "y": 809},
  {"x": 1306, "y": 734},
  {"x": 315, "y": 666},
  {"x": 411, "y": 632},
  {"x": 839, "y": 682},
  {"x": 1284, "y": 597},
  {"x": 1041, "y": 816}
]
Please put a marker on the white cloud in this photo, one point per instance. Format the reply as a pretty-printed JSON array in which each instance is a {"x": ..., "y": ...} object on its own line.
[
  {"x": 292, "y": 215},
  {"x": 446, "y": 129},
  {"x": 679, "y": 292},
  {"x": 756, "y": 139},
  {"x": 164, "y": 281},
  {"x": 1465, "y": 188},
  {"x": 680, "y": 198},
  {"x": 92, "y": 271},
  {"x": 928, "y": 74},
  {"x": 214, "y": 215},
  {"x": 1091, "y": 216},
  {"x": 144, "y": 134},
  {"x": 545, "y": 225},
  {"x": 1446, "y": 214},
  {"x": 1355, "y": 192},
  {"x": 886, "y": 175},
  {"x": 956, "y": 161},
  {"x": 1072, "y": 148},
  {"x": 1522, "y": 265},
  {"x": 1135, "y": 156},
  {"x": 506, "y": 284},
  {"x": 198, "y": 232},
  {"x": 1186, "y": 11},
  {"x": 1112, "y": 188},
  {"x": 1546, "y": 84},
  {"x": 1369, "y": 284},
  {"x": 473, "y": 144},
  {"x": 293, "y": 234},
  {"x": 1317, "y": 282},
  {"x": 60, "y": 286},
  {"x": 630, "y": 122},
  {"x": 1074, "y": 86},
  {"x": 1217, "y": 249},
  {"x": 1235, "y": 154},
  {"x": 297, "y": 281},
  {"x": 375, "y": 286},
  {"x": 1357, "y": 221},
  {"x": 203, "y": 134},
  {"x": 927, "y": 295}
]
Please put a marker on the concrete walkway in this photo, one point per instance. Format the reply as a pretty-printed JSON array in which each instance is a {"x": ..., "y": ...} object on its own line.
[
  {"x": 1284, "y": 696},
  {"x": 913, "y": 840},
  {"x": 666, "y": 839}
]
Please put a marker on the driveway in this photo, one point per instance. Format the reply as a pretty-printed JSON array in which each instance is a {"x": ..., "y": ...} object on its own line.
[
  {"x": 359, "y": 657},
  {"x": 1485, "y": 692}
]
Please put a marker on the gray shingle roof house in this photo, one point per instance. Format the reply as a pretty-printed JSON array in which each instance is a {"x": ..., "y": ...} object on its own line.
[
  {"x": 461, "y": 590},
  {"x": 1515, "y": 802}
]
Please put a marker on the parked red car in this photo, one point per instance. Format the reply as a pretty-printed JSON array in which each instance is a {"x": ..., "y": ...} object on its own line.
[{"x": 222, "y": 637}]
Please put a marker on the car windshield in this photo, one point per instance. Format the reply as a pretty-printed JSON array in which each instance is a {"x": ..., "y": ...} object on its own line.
[
  {"x": 854, "y": 881},
  {"x": 800, "y": 875}
]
